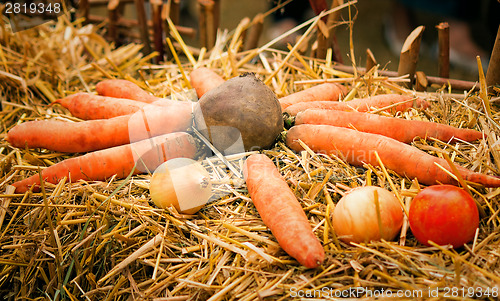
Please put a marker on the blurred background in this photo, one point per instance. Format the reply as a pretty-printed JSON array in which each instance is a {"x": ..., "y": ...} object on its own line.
[{"x": 381, "y": 26}]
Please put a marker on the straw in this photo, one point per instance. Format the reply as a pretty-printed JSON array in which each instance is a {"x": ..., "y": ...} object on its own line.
[{"x": 106, "y": 240}]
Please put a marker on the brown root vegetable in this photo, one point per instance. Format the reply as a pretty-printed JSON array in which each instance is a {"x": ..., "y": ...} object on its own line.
[{"x": 240, "y": 114}]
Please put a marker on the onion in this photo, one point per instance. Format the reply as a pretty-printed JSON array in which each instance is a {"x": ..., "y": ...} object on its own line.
[
  {"x": 357, "y": 216},
  {"x": 182, "y": 183}
]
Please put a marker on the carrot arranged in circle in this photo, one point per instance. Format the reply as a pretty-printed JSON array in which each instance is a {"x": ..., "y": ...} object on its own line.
[
  {"x": 403, "y": 130},
  {"x": 358, "y": 148},
  {"x": 393, "y": 103},
  {"x": 144, "y": 155},
  {"x": 91, "y": 135},
  {"x": 122, "y": 88},
  {"x": 203, "y": 79},
  {"x": 322, "y": 92},
  {"x": 281, "y": 212},
  {"x": 88, "y": 106}
]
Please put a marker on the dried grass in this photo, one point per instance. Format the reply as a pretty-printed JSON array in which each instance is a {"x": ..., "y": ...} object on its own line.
[{"x": 107, "y": 241}]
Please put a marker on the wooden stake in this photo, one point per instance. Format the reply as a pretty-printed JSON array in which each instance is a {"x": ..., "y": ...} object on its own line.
[
  {"x": 444, "y": 49},
  {"x": 370, "y": 60},
  {"x": 318, "y": 6},
  {"x": 83, "y": 10},
  {"x": 113, "y": 16},
  {"x": 493, "y": 72},
  {"x": 326, "y": 34},
  {"x": 421, "y": 81},
  {"x": 165, "y": 14},
  {"x": 208, "y": 18},
  {"x": 175, "y": 11},
  {"x": 409, "y": 53},
  {"x": 143, "y": 25},
  {"x": 456, "y": 84},
  {"x": 202, "y": 24},
  {"x": 254, "y": 32},
  {"x": 156, "y": 6}
]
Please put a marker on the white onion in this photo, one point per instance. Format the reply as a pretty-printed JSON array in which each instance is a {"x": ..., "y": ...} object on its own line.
[
  {"x": 182, "y": 183},
  {"x": 356, "y": 218}
]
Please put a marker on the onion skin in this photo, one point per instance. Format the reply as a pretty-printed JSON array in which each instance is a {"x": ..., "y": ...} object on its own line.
[
  {"x": 179, "y": 183},
  {"x": 355, "y": 216}
]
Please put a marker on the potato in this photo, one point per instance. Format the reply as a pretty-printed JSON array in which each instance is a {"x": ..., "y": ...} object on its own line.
[{"x": 240, "y": 115}]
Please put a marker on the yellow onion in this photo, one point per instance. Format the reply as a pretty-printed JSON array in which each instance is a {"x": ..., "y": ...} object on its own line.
[
  {"x": 367, "y": 213},
  {"x": 182, "y": 183}
]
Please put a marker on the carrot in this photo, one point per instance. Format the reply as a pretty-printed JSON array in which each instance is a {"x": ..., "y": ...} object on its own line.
[
  {"x": 89, "y": 106},
  {"x": 281, "y": 212},
  {"x": 121, "y": 88},
  {"x": 98, "y": 134},
  {"x": 397, "y": 103},
  {"x": 358, "y": 148},
  {"x": 322, "y": 92},
  {"x": 203, "y": 79},
  {"x": 144, "y": 155},
  {"x": 403, "y": 130}
]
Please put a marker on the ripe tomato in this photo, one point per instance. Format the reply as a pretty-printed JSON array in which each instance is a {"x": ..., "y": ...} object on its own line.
[{"x": 444, "y": 214}]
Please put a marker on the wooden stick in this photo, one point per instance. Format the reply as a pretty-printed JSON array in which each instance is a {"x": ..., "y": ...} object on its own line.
[
  {"x": 254, "y": 32},
  {"x": 166, "y": 13},
  {"x": 113, "y": 20},
  {"x": 454, "y": 83},
  {"x": 444, "y": 49},
  {"x": 318, "y": 6},
  {"x": 202, "y": 24},
  {"x": 83, "y": 10},
  {"x": 421, "y": 81},
  {"x": 211, "y": 26},
  {"x": 409, "y": 53},
  {"x": 156, "y": 7},
  {"x": 493, "y": 72},
  {"x": 326, "y": 36},
  {"x": 143, "y": 25},
  {"x": 370, "y": 59},
  {"x": 175, "y": 11}
]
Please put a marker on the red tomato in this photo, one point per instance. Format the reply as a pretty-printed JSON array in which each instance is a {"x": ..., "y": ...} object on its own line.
[{"x": 444, "y": 214}]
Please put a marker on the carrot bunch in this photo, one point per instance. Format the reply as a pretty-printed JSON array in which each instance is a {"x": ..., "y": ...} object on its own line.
[{"x": 125, "y": 130}]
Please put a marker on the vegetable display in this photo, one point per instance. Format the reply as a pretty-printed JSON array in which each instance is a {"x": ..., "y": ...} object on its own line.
[
  {"x": 443, "y": 214},
  {"x": 281, "y": 212},
  {"x": 359, "y": 148},
  {"x": 367, "y": 213},
  {"x": 404, "y": 130}
]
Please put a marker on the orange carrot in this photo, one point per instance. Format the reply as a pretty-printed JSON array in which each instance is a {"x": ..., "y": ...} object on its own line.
[
  {"x": 144, "y": 155},
  {"x": 281, "y": 212},
  {"x": 358, "y": 148},
  {"x": 121, "y": 88},
  {"x": 403, "y": 130},
  {"x": 322, "y": 92},
  {"x": 98, "y": 134},
  {"x": 397, "y": 103},
  {"x": 89, "y": 106},
  {"x": 203, "y": 79}
]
